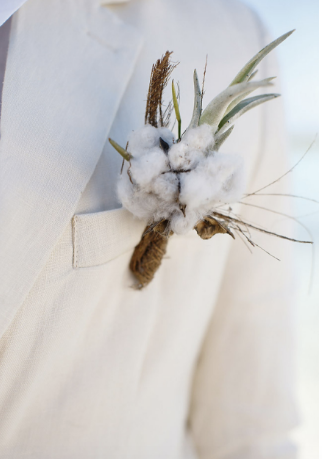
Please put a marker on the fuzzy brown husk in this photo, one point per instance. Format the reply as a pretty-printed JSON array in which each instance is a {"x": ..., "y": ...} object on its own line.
[
  {"x": 208, "y": 227},
  {"x": 160, "y": 75},
  {"x": 148, "y": 254}
]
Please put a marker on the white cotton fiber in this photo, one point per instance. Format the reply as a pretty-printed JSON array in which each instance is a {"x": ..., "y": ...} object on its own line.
[
  {"x": 194, "y": 145},
  {"x": 181, "y": 224},
  {"x": 182, "y": 184},
  {"x": 166, "y": 187},
  {"x": 200, "y": 138},
  {"x": 217, "y": 178},
  {"x": 142, "y": 140},
  {"x": 149, "y": 166}
]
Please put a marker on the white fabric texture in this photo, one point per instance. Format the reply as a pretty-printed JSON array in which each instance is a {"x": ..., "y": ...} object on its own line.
[
  {"x": 8, "y": 7},
  {"x": 99, "y": 238},
  {"x": 198, "y": 365}
]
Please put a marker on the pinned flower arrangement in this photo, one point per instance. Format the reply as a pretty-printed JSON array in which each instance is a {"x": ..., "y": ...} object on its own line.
[{"x": 176, "y": 184}]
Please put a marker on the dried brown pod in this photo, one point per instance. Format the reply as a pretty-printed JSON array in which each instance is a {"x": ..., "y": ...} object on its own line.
[{"x": 208, "y": 227}]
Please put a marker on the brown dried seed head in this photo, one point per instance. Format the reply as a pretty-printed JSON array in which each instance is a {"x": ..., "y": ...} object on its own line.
[
  {"x": 208, "y": 227},
  {"x": 160, "y": 74}
]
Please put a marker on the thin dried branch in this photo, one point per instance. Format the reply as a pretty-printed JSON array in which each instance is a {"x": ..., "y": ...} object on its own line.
[
  {"x": 286, "y": 173},
  {"x": 245, "y": 243},
  {"x": 266, "y": 251},
  {"x": 280, "y": 213},
  {"x": 283, "y": 194},
  {"x": 167, "y": 114},
  {"x": 235, "y": 220}
]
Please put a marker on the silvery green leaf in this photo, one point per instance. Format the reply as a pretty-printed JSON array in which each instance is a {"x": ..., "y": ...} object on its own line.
[
  {"x": 240, "y": 98},
  {"x": 127, "y": 156},
  {"x": 197, "y": 103},
  {"x": 220, "y": 137},
  {"x": 243, "y": 107},
  {"x": 216, "y": 109},
  {"x": 252, "y": 75},
  {"x": 245, "y": 72}
]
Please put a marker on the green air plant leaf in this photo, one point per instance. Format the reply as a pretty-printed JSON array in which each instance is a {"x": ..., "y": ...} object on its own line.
[
  {"x": 243, "y": 107},
  {"x": 220, "y": 137},
  {"x": 240, "y": 98},
  {"x": 176, "y": 109},
  {"x": 197, "y": 108},
  {"x": 246, "y": 71},
  {"x": 216, "y": 109},
  {"x": 126, "y": 155},
  {"x": 252, "y": 75}
]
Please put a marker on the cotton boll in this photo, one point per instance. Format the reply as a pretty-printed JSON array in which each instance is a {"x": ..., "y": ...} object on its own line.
[
  {"x": 142, "y": 140},
  {"x": 194, "y": 157},
  {"x": 217, "y": 178},
  {"x": 183, "y": 158},
  {"x": 177, "y": 156},
  {"x": 181, "y": 224},
  {"x": 194, "y": 146},
  {"x": 159, "y": 190},
  {"x": 200, "y": 138},
  {"x": 144, "y": 205},
  {"x": 153, "y": 202},
  {"x": 149, "y": 166},
  {"x": 141, "y": 204},
  {"x": 197, "y": 189},
  {"x": 166, "y": 187},
  {"x": 230, "y": 175}
]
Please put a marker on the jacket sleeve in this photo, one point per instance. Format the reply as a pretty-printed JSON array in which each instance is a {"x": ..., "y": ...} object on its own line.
[{"x": 242, "y": 398}]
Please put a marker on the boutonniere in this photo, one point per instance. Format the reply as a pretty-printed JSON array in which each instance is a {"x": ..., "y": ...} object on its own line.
[{"x": 176, "y": 184}]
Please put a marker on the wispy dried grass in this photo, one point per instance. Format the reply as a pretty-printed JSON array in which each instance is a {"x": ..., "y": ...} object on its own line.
[{"x": 159, "y": 79}]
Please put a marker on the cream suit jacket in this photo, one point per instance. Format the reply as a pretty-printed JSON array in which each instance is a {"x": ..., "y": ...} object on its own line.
[{"x": 198, "y": 364}]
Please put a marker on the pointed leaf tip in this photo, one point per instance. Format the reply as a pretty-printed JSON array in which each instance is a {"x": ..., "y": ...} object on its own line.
[
  {"x": 243, "y": 107},
  {"x": 126, "y": 155},
  {"x": 197, "y": 106},
  {"x": 246, "y": 71}
]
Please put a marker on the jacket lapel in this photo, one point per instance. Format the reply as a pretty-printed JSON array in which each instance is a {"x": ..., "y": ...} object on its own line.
[{"x": 68, "y": 65}]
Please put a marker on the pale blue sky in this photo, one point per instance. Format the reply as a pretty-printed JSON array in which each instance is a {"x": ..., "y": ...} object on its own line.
[{"x": 298, "y": 58}]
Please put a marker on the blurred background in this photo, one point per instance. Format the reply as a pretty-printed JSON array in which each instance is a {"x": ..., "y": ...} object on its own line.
[{"x": 299, "y": 63}]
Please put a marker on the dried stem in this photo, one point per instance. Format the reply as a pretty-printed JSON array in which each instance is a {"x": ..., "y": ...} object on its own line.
[
  {"x": 235, "y": 220},
  {"x": 286, "y": 173},
  {"x": 286, "y": 195}
]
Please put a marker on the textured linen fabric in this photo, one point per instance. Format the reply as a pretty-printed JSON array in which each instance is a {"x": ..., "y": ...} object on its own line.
[
  {"x": 198, "y": 365},
  {"x": 4, "y": 42},
  {"x": 60, "y": 96},
  {"x": 100, "y": 238}
]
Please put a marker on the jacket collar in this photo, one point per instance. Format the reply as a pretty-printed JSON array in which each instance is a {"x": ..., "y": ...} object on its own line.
[{"x": 69, "y": 62}]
